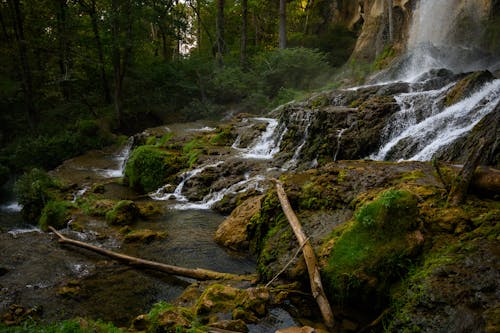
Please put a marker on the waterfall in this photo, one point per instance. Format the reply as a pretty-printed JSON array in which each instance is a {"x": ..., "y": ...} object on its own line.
[
  {"x": 423, "y": 125},
  {"x": 267, "y": 145},
  {"x": 121, "y": 158},
  {"x": 446, "y": 34},
  {"x": 163, "y": 194},
  {"x": 303, "y": 119}
]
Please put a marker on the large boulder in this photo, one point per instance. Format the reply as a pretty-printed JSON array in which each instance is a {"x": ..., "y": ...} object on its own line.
[{"x": 232, "y": 233}]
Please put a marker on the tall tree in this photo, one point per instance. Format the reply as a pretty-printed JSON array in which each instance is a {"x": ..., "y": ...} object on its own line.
[
  {"x": 282, "y": 29},
  {"x": 27, "y": 75},
  {"x": 219, "y": 26},
  {"x": 90, "y": 8},
  {"x": 121, "y": 31},
  {"x": 244, "y": 17}
]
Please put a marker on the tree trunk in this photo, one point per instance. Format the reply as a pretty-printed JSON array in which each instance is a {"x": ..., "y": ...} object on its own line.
[
  {"x": 4, "y": 28},
  {"x": 282, "y": 29},
  {"x": 197, "y": 273},
  {"x": 27, "y": 78},
  {"x": 92, "y": 12},
  {"x": 460, "y": 184},
  {"x": 244, "y": 16},
  {"x": 391, "y": 23},
  {"x": 64, "y": 48},
  {"x": 121, "y": 53},
  {"x": 219, "y": 26},
  {"x": 309, "y": 256}
]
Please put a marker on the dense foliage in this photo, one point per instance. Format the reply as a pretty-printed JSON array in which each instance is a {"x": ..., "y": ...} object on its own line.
[{"x": 73, "y": 72}]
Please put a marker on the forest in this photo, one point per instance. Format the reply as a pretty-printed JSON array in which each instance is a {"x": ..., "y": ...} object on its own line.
[
  {"x": 251, "y": 166},
  {"x": 77, "y": 74}
]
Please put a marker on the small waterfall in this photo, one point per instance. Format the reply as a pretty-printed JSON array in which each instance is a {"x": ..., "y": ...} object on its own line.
[
  {"x": 121, "y": 158},
  {"x": 163, "y": 194},
  {"x": 422, "y": 127},
  {"x": 212, "y": 198},
  {"x": 303, "y": 119},
  {"x": 267, "y": 145},
  {"x": 339, "y": 137},
  {"x": 11, "y": 207}
]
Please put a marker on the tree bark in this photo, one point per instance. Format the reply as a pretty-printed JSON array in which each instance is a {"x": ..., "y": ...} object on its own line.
[
  {"x": 219, "y": 26},
  {"x": 390, "y": 19},
  {"x": 64, "y": 48},
  {"x": 309, "y": 256},
  {"x": 462, "y": 181},
  {"x": 282, "y": 28},
  {"x": 27, "y": 77},
  {"x": 197, "y": 273},
  {"x": 92, "y": 12},
  {"x": 244, "y": 17}
]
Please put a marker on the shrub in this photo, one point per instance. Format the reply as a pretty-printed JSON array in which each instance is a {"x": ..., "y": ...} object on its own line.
[
  {"x": 34, "y": 190},
  {"x": 55, "y": 214},
  {"x": 293, "y": 68},
  {"x": 148, "y": 168}
]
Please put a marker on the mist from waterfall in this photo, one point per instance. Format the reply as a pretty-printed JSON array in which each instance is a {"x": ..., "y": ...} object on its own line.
[{"x": 446, "y": 34}]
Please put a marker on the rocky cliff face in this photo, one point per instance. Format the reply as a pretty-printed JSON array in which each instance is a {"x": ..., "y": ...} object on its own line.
[{"x": 470, "y": 17}]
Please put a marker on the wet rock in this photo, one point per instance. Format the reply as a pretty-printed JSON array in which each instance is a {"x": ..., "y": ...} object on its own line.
[
  {"x": 455, "y": 290},
  {"x": 231, "y": 325},
  {"x": 144, "y": 236},
  {"x": 17, "y": 314},
  {"x": 123, "y": 213},
  {"x": 467, "y": 86},
  {"x": 141, "y": 323},
  {"x": 232, "y": 232}
]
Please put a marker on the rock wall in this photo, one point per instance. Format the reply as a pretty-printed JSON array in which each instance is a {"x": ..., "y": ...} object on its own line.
[{"x": 373, "y": 15}]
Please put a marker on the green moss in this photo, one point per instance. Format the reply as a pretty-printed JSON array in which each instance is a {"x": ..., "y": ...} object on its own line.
[
  {"x": 66, "y": 326},
  {"x": 123, "y": 213},
  {"x": 33, "y": 190},
  {"x": 390, "y": 212},
  {"x": 372, "y": 252},
  {"x": 385, "y": 58},
  {"x": 223, "y": 136},
  {"x": 55, "y": 214},
  {"x": 148, "y": 168}
]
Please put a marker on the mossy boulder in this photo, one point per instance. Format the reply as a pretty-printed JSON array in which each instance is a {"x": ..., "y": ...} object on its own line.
[
  {"x": 232, "y": 232},
  {"x": 34, "y": 190},
  {"x": 454, "y": 290},
  {"x": 144, "y": 236},
  {"x": 99, "y": 207},
  {"x": 219, "y": 301},
  {"x": 55, "y": 214},
  {"x": 374, "y": 250},
  {"x": 123, "y": 213},
  {"x": 150, "y": 167},
  {"x": 467, "y": 86}
]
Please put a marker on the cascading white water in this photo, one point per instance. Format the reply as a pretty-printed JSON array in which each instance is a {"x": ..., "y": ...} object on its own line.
[
  {"x": 267, "y": 145},
  {"x": 121, "y": 158},
  {"x": 163, "y": 194},
  {"x": 303, "y": 119},
  {"x": 410, "y": 138},
  {"x": 445, "y": 34}
]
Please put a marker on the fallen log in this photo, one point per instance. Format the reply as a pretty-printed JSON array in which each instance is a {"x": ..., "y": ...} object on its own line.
[
  {"x": 196, "y": 273},
  {"x": 309, "y": 256}
]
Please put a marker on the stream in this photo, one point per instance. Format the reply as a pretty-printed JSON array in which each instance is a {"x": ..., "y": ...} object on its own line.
[{"x": 63, "y": 283}]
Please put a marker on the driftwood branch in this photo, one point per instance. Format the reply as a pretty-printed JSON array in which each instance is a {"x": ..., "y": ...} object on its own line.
[
  {"x": 197, "y": 273},
  {"x": 309, "y": 256}
]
